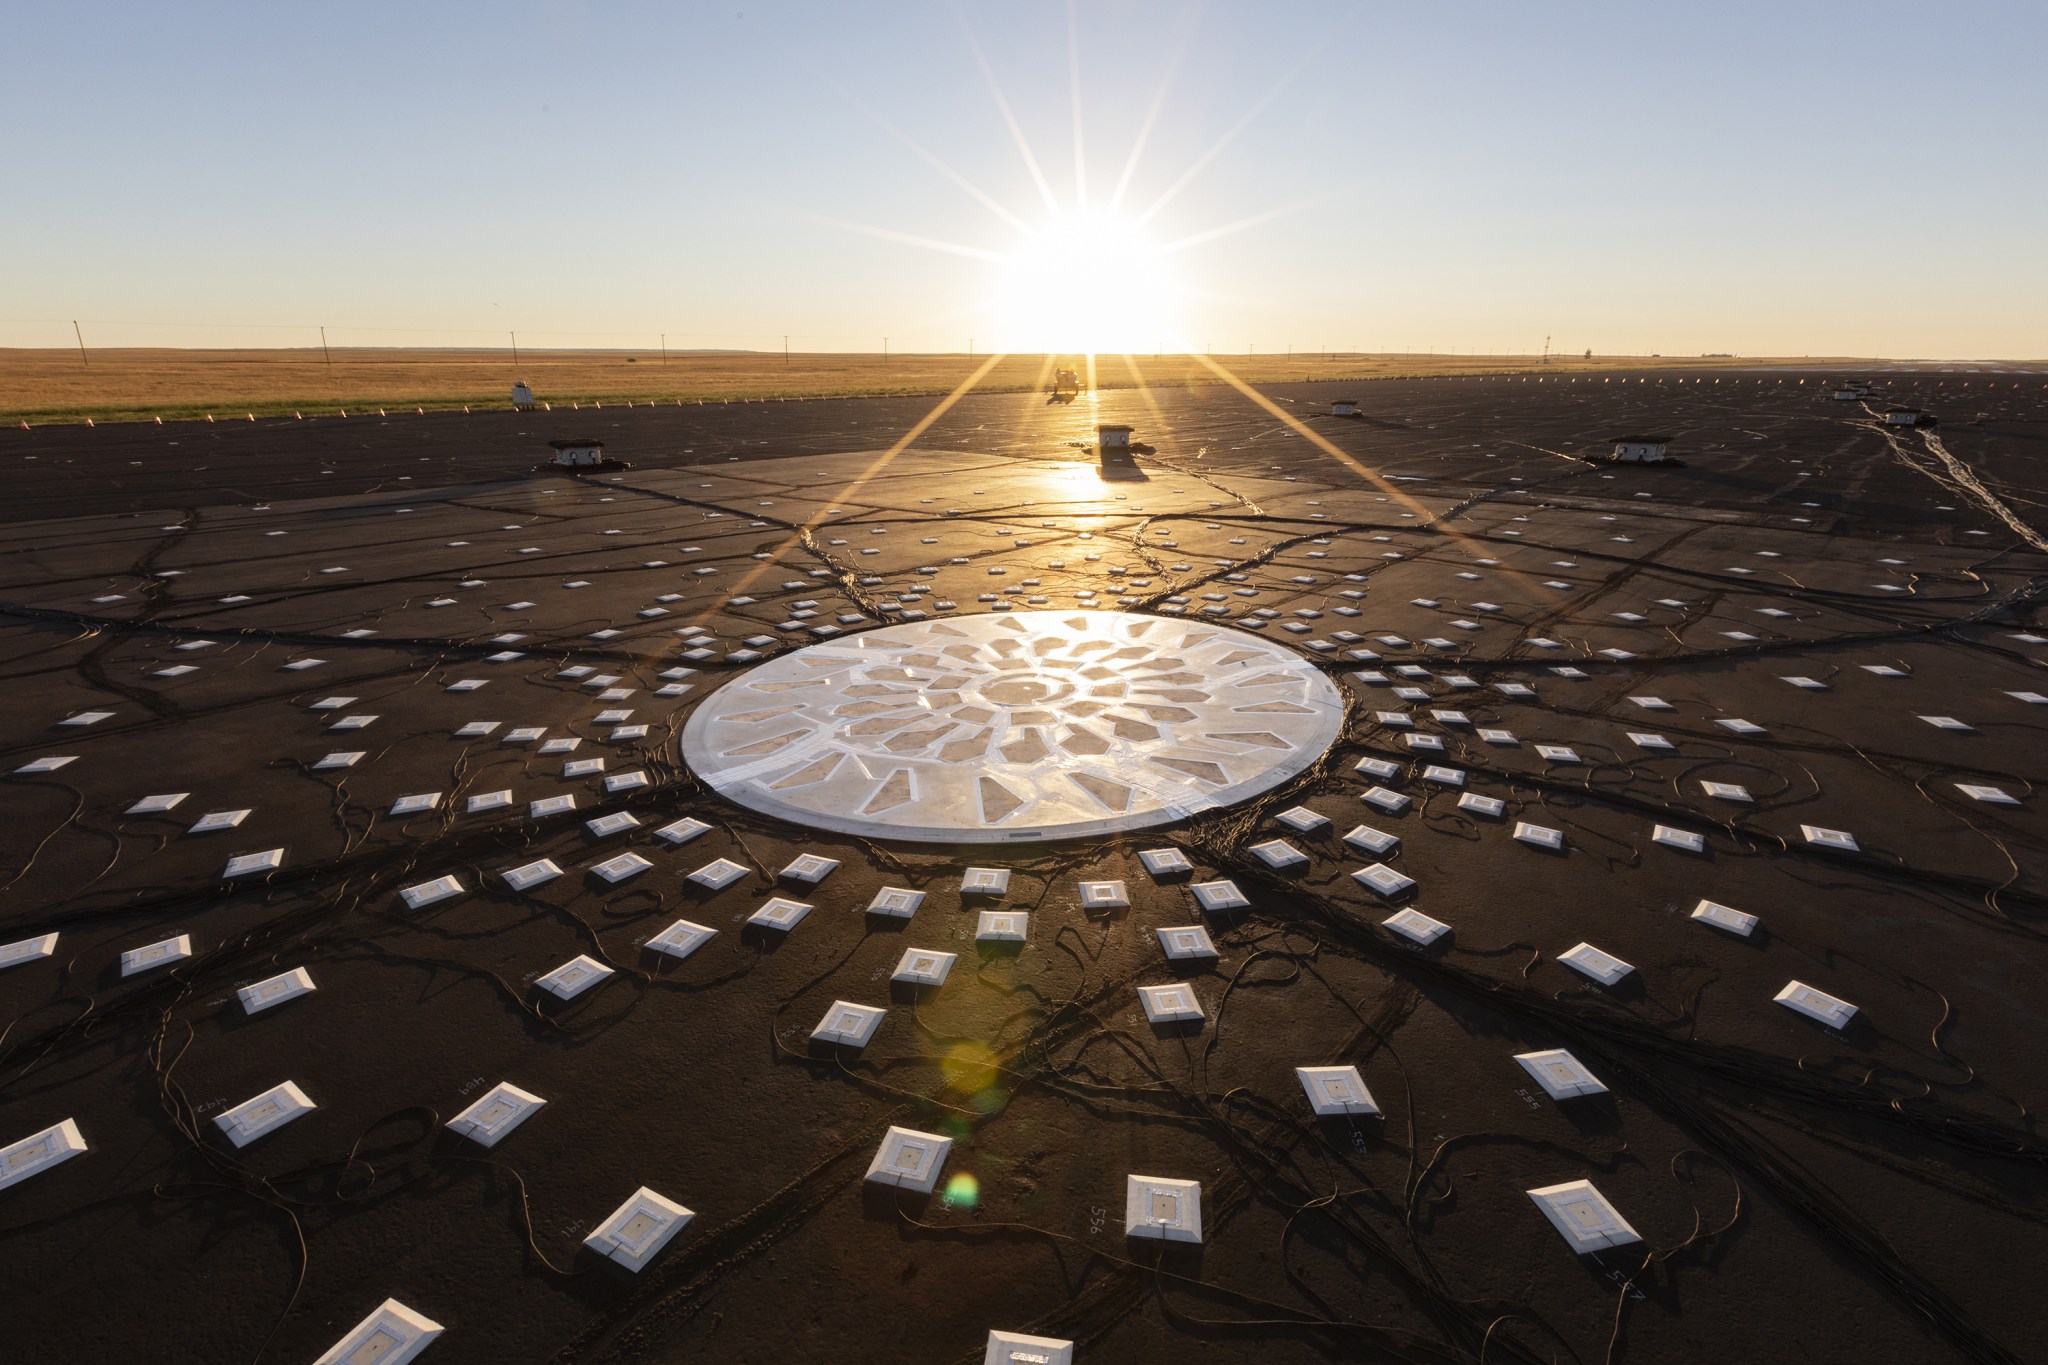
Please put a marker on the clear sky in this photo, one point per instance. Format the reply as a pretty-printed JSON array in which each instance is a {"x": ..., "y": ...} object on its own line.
[{"x": 1789, "y": 178}]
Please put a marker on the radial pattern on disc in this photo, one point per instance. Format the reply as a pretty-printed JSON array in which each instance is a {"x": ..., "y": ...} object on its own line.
[{"x": 1014, "y": 727}]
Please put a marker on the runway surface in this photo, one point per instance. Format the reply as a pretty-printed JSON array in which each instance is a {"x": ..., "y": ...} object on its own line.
[{"x": 308, "y": 622}]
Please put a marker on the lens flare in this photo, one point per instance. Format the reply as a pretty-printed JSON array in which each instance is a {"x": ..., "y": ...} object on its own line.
[
  {"x": 963, "y": 1191},
  {"x": 969, "y": 1067}
]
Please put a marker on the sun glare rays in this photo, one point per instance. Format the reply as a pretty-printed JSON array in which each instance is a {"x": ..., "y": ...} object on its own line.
[
  {"x": 988, "y": 74},
  {"x": 1373, "y": 478},
  {"x": 1074, "y": 99},
  {"x": 1081, "y": 275},
  {"x": 1201, "y": 163},
  {"x": 1246, "y": 223},
  {"x": 851, "y": 490},
  {"x": 939, "y": 164},
  {"x": 977, "y": 253},
  {"x": 1151, "y": 120},
  {"x": 1083, "y": 279}
]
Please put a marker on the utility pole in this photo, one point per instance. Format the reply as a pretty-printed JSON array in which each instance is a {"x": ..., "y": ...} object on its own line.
[
  {"x": 785, "y": 352},
  {"x": 970, "y": 348},
  {"x": 515, "y": 350},
  {"x": 1546, "y": 350},
  {"x": 325, "y": 353},
  {"x": 885, "y": 350},
  {"x": 664, "y": 348},
  {"x": 82, "y": 361}
]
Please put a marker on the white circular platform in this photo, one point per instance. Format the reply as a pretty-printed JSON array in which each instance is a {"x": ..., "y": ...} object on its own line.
[{"x": 1014, "y": 727}]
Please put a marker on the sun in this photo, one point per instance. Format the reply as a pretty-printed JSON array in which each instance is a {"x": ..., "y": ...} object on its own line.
[{"x": 1088, "y": 283}]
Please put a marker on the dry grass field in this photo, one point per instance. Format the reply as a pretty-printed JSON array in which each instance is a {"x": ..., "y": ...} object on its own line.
[{"x": 43, "y": 385}]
